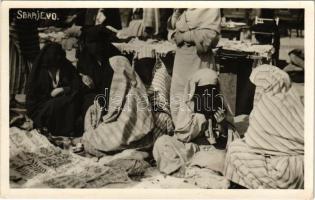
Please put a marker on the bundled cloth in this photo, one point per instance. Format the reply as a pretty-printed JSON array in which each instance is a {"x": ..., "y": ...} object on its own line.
[
  {"x": 129, "y": 118},
  {"x": 271, "y": 155}
]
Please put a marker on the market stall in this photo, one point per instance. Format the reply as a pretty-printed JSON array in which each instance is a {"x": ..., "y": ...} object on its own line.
[{"x": 235, "y": 58}]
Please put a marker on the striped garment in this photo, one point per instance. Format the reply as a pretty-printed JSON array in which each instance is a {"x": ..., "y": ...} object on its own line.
[
  {"x": 19, "y": 67},
  {"x": 151, "y": 19},
  {"x": 271, "y": 155},
  {"x": 159, "y": 95},
  {"x": 24, "y": 47},
  {"x": 269, "y": 79},
  {"x": 129, "y": 118}
]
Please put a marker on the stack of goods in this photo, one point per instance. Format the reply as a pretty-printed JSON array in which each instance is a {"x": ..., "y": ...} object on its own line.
[
  {"x": 35, "y": 162},
  {"x": 232, "y": 24},
  {"x": 142, "y": 48},
  {"x": 264, "y": 51}
]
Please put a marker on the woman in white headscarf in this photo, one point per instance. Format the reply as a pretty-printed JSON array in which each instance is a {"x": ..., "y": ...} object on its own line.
[
  {"x": 196, "y": 32},
  {"x": 271, "y": 155}
]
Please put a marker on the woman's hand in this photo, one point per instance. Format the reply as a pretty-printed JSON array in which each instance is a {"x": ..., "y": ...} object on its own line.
[
  {"x": 87, "y": 81},
  {"x": 57, "y": 91},
  {"x": 219, "y": 115}
]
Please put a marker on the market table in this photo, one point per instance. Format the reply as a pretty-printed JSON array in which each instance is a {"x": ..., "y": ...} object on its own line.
[{"x": 234, "y": 58}]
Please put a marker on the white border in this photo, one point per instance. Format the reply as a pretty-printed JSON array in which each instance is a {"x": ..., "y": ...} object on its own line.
[{"x": 307, "y": 193}]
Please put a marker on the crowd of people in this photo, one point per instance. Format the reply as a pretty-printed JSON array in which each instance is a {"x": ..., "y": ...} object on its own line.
[{"x": 106, "y": 106}]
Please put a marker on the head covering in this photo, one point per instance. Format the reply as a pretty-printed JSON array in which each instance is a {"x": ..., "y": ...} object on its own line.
[
  {"x": 51, "y": 55},
  {"x": 269, "y": 79},
  {"x": 97, "y": 43}
]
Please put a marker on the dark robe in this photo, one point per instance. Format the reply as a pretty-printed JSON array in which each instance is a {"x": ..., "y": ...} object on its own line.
[
  {"x": 58, "y": 114},
  {"x": 94, "y": 62},
  {"x": 101, "y": 74}
]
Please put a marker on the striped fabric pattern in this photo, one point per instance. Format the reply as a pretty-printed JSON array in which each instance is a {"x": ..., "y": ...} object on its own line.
[
  {"x": 277, "y": 125},
  {"x": 159, "y": 95},
  {"x": 256, "y": 171},
  {"x": 271, "y": 155},
  {"x": 129, "y": 117},
  {"x": 269, "y": 79},
  {"x": 18, "y": 70},
  {"x": 151, "y": 19}
]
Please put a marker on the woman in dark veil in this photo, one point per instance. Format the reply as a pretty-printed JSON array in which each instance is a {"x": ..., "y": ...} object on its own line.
[
  {"x": 52, "y": 96},
  {"x": 93, "y": 64}
]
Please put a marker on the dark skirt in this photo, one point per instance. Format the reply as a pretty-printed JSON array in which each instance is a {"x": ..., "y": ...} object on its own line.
[{"x": 59, "y": 115}]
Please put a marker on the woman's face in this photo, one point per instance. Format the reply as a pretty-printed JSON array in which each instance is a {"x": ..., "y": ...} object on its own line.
[{"x": 52, "y": 58}]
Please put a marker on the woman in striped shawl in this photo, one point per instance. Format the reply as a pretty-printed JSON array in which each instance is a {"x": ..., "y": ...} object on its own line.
[{"x": 271, "y": 155}]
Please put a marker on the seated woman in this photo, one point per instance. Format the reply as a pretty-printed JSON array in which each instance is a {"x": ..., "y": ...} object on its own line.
[
  {"x": 201, "y": 122},
  {"x": 128, "y": 122},
  {"x": 94, "y": 66},
  {"x": 53, "y": 99},
  {"x": 271, "y": 155}
]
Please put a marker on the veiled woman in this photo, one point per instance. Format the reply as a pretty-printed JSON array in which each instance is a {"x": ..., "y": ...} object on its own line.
[
  {"x": 52, "y": 96},
  {"x": 93, "y": 64}
]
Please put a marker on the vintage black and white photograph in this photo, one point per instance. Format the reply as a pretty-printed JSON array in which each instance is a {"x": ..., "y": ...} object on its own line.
[{"x": 139, "y": 97}]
